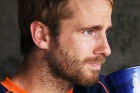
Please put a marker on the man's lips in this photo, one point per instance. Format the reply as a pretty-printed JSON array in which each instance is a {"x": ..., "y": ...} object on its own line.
[
  {"x": 95, "y": 63},
  {"x": 95, "y": 66}
]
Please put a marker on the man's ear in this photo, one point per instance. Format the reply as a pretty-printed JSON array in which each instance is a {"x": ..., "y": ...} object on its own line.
[{"x": 40, "y": 34}]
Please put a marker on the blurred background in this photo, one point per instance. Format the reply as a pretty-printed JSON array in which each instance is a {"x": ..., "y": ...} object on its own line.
[{"x": 124, "y": 39}]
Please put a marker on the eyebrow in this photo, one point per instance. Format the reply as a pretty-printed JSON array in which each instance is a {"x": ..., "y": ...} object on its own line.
[
  {"x": 110, "y": 28},
  {"x": 96, "y": 27}
]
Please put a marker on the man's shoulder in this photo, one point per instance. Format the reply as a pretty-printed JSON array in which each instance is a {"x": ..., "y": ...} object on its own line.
[
  {"x": 3, "y": 89},
  {"x": 99, "y": 87}
]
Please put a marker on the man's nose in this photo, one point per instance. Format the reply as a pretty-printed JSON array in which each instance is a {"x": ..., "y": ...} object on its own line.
[{"x": 103, "y": 46}]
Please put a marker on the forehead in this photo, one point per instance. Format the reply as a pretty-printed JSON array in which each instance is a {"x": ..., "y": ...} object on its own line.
[
  {"x": 84, "y": 3},
  {"x": 88, "y": 11},
  {"x": 88, "y": 6}
]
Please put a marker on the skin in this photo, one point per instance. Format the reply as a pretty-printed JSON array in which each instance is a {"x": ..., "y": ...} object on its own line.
[
  {"x": 85, "y": 36},
  {"x": 76, "y": 56}
]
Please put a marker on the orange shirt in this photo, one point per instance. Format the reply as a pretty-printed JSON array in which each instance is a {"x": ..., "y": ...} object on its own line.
[{"x": 7, "y": 83}]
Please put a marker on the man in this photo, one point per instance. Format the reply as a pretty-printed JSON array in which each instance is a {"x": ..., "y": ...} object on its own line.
[{"x": 64, "y": 45}]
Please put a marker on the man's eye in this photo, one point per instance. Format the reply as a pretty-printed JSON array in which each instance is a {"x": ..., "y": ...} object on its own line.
[
  {"x": 106, "y": 33},
  {"x": 89, "y": 32}
]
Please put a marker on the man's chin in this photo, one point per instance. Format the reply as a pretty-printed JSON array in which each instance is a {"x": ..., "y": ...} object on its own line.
[{"x": 89, "y": 80}]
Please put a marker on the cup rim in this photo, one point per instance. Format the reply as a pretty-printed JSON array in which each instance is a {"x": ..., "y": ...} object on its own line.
[{"x": 123, "y": 69}]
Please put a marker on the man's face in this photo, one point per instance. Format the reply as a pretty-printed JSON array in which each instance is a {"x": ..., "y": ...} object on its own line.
[{"x": 82, "y": 45}]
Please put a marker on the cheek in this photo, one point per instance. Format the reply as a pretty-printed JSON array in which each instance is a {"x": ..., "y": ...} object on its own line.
[
  {"x": 78, "y": 45},
  {"x": 81, "y": 47}
]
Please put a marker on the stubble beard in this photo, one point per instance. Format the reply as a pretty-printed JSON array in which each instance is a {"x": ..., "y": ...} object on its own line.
[{"x": 69, "y": 67}]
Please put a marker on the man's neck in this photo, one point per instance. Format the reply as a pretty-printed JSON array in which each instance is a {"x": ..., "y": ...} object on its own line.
[{"x": 37, "y": 78}]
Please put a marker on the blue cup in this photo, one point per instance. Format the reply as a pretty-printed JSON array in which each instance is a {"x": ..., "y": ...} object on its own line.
[{"x": 124, "y": 81}]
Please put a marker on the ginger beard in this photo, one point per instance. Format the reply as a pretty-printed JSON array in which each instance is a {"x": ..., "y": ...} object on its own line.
[{"x": 69, "y": 67}]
